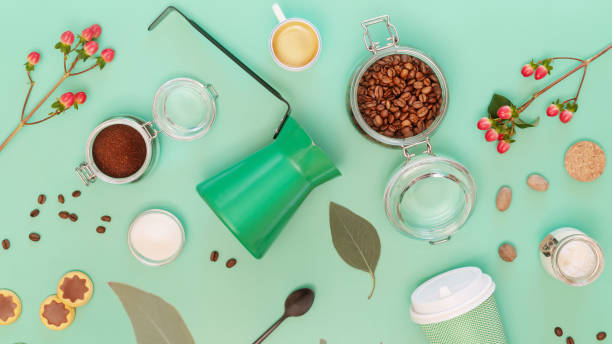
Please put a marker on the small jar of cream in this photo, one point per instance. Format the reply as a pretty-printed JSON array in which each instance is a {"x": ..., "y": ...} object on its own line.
[{"x": 571, "y": 256}]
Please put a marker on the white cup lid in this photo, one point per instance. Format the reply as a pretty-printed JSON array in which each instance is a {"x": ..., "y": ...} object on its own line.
[{"x": 450, "y": 295}]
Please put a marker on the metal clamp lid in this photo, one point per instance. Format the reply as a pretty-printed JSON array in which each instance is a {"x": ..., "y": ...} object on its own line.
[
  {"x": 85, "y": 173},
  {"x": 409, "y": 155},
  {"x": 374, "y": 46}
]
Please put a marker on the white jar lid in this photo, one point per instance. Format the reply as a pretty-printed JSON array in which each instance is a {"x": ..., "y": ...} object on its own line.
[{"x": 450, "y": 295}]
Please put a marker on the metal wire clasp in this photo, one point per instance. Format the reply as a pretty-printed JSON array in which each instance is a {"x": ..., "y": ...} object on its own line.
[
  {"x": 374, "y": 46},
  {"x": 85, "y": 173},
  {"x": 409, "y": 155}
]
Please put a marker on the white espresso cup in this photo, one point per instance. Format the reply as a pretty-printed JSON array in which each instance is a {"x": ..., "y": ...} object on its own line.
[{"x": 295, "y": 43}]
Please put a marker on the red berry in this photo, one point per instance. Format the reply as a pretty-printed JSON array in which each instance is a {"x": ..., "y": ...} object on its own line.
[
  {"x": 540, "y": 72},
  {"x": 87, "y": 34},
  {"x": 90, "y": 47},
  {"x": 80, "y": 98},
  {"x": 108, "y": 54},
  {"x": 33, "y": 58},
  {"x": 504, "y": 112},
  {"x": 96, "y": 29},
  {"x": 552, "y": 110},
  {"x": 527, "y": 70},
  {"x": 67, "y": 38},
  {"x": 484, "y": 123},
  {"x": 566, "y": 116},
  {"x": 67, "y": 99},
  {"x": 502, "y": 147},
  {"x": 491, "y": 135}
]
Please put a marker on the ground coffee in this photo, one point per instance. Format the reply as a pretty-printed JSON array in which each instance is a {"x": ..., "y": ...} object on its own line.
[{"x": 119, "y": 151}]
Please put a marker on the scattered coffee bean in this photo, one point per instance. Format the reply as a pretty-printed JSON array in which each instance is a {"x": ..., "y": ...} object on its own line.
[
  {"x": 214, "y": 255},
  {"x": 42, "y": 199},
  {"x": 537, "y": 182},
  {"x": 601, "y": 335},
  {"x": 60, "y": 198},
  {"x": 570, "y": 340},
  {"x": 6, "y": 244},
  {"x": 504, "y": 197},
  {"x": 34, "y": 236},
  {"x": 100, "y": 229},
  {"x": 73, "y": 217},
  {"x": 64, "y": 214},
  {"x": 507, "y": 252},
  {"x": 399, "y": 96},
  {"x": 231, "y": 263},
  {"x": 34, "y": 213},
  {"x": 76, "y": 193},
  {"x": 558, "y": 331},
  {"x": 105, "y": 218}
]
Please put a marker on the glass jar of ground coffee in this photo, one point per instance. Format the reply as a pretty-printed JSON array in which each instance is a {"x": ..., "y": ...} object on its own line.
[
  {"x": 397, "y": 97},
  {"x": 123, "y": 149}
]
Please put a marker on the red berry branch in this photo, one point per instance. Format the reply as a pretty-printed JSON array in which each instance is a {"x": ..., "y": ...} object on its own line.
[
  {"x": 504, "y": 116},
  {"x": 85, "y": 48}
]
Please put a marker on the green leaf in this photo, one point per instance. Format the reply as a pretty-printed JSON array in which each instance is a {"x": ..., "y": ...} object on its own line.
[
  {"x": 154, "y": 320},
  {"x": 355, "y": 240},
  {"x": 76, "y": 106},
  {"x": 522, "y": 124},
  {"x": 497, "y": 101},
  {"x": 58, "y": 45}
]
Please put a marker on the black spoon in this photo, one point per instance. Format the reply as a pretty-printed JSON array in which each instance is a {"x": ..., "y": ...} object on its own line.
[{"x": 296, "y": 304}]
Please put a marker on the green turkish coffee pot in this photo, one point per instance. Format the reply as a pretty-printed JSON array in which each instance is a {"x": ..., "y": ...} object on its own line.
[{"x": 257, "y": 196}]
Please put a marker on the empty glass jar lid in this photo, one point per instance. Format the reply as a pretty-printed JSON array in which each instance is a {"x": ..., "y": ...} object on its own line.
[
  {"x": 184, "y": 108},
  {"x": 430, "y": 197}
]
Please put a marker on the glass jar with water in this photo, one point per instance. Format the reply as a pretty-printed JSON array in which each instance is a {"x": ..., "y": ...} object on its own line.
[{"x": 429, "y": 197}]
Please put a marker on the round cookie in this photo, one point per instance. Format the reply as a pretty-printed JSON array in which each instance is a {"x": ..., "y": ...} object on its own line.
[
  {"x": 75, "y": 289},
  {"x": 55, "y": 314},
  {"x": 585, "y": 161},
  {"x": 10, "y": 307}
]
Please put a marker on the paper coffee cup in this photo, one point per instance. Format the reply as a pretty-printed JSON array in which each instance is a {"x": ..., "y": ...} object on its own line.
[{"x": 458, "y": 307}]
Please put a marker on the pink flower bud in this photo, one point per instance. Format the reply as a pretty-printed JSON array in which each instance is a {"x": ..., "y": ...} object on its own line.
[
  {"x": 484, "y": 123},
  {"x": 87, "y": 34},
  {"x": 504, "y": 112},
  {"x": 90, "y": 47},
  {"x": 566, "y": 116},
  {"x": 491, "y": 135},
  {"x": 67, "y": 99},
  {"x": 540, "y": 72},
  {"x": 33, "y": 58},
  {"x": 552, "y": 110},
  {"x": 80, "y": 98},
  {"x": 67, "y": 38},
  {"x": 96, "y": 30},
  {"x": 527, "y": 70},
  {"x": 502, "y": 147},
  {"x": 108, "y": 54}
]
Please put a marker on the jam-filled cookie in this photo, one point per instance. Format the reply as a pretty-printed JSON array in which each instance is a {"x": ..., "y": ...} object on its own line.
[
  {"x": 75, "y": 289},
  {"x": 55, "y": 314},
  {"x": 10, "y": 307}
]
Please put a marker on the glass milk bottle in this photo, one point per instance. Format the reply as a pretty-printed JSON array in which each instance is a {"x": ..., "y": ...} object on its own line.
[{"x": 571, "y": 256}]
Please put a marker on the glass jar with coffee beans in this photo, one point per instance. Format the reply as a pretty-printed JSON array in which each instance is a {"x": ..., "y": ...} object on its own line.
[
  {"x": 123, "y": 148},
  {"x": 397, "y": 97}
]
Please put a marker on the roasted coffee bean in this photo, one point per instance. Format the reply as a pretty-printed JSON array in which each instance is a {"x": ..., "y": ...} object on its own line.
[
  {"x": 34, "y": 213},
  {"x": 34, "y": 236},
  {"x": 64, "y": 214},
  {"x": 570, "y": 340},
  {"x": 105, "y": 218},
  {"x": 394, "y": 89},
  {"x": 6, "y": 244},
  {"x": 73, "y": 217},
  {"x": 60, "y": 198},
  {"x": 231, "y": 263},
  {"x": 601, "y": 335},
  {"x": 214, "y": 255},
  {"x": 42, "y": 199},
  {"x": 558, "y": 331},
  {"x": 101, "y": 229},
  {"x": 76, "y": 193}
]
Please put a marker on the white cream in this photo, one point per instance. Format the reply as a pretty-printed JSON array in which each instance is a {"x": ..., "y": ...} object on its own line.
[{"x": 157, "y": 236}]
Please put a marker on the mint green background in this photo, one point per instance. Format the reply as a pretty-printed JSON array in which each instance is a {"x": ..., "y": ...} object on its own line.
[{"x": 480, "y": 45}]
